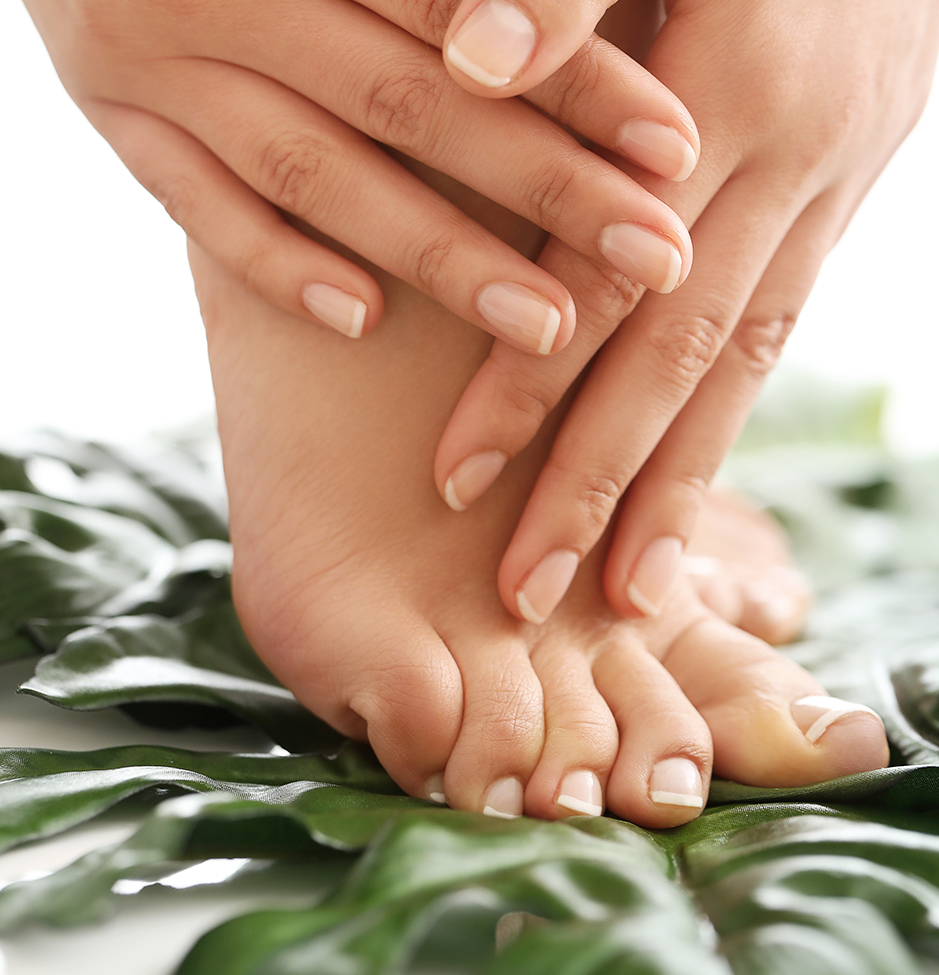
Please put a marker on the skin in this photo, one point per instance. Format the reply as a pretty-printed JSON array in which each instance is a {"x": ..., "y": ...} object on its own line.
[{"x": 373, "y": 601}]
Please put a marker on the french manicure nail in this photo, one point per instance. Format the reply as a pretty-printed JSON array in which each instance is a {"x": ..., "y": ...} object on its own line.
[
  {"x": 657, "y": 147},
  {"x": 676, "y": 782},
  {"x": 494, "y": 43},
  {"x": 654, "y": 573},
  {"x": 472, "y": 478},
  {"x": 642, "y": 254},
  {"x": 337, "y": 308},
  {"x": 546, "y": 584},
  {"x": 581, "y": 793},
  {"x": 434, "y": 789},
  {"x": 505, "y": 799},
  {"x": 815, "y": 714},
  {"x": 523, "y": 316}
]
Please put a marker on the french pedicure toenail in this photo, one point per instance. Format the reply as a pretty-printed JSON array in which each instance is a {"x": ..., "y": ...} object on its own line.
[
  {"x": 546, "y": 584},
  {"x": 643, "y": 255},
  {"x": 472, "y": 478},
  {"x": 654, "y": 573},
  {"x": 657, "y": 147},
  {"x": 495, "y": 42},
  {"x": 523, "y": 316},
  {"x": 676, "y": 782},
  {"x": 581, "y": 793},
  {"x": 817, "y": 713},
  {"x": 434, "y": 789},
  {"x": 505, "y": 799},
  {"x": 337, "y": 308}
]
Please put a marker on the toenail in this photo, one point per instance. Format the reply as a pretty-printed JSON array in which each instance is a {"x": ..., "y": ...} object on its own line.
[
  {"x": 434, "y": 789},
  {"x": 654, "y": 573},
  {"x": 472, "y": 478},
  {"x": 581, "y": 793},
  {"x": 505, "y": 799},
  {"x": 546, "y": 584},
  {"x": 676, "y": 782},
  {"x": 816, "y": 713}
]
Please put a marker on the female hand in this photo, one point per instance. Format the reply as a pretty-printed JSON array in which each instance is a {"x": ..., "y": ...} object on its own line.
[
  {"x": 230, "y": 113},
  {"x": 799, "y": 105}
]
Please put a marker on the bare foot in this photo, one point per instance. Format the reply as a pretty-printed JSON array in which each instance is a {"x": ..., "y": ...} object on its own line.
[
  {"x": 741, "y": 567},
  {"x": 377, "y": 605}
]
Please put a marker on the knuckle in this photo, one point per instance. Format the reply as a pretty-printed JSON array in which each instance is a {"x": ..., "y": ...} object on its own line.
[
  {"x": 604, "y": 296},
  {"x": 291, "y": 164},
  {"x": 578, "y": 81},
  {"x": 429, "y": 262},
  {"x": 596, "y": 494},
  {"x": 399, "y": 105},
  {"x": 523, "y": 399},
  {"x": 550, "y": 187},
  {"x": 689, "y": 346},
  {"x": 253, "y": 266},
  {"x": 433, "y": 16},
  {"x": 760, "y": 341}
]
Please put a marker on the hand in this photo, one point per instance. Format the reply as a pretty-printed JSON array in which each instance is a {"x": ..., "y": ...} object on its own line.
[
  {"x": 230, "y": 113},
  {"x": 798, "y": 114}
]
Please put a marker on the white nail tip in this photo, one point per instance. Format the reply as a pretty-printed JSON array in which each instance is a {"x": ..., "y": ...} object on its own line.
[
  {"x": 674, "y": 273},
  {"x": 689, "y": 161},
  {"x": 676, "y": 799},
  {"x": 551, "y": 326},
  {"x": 835, "y": 708},
  {"x": 438, "y": 797},
  {"x": 527, "y": 611},
  {"x": 471, "y": 68},
  {"x": 640, "y": 601},
  {"x": 498, "y": 814},
  {"x": 358, "y": 320},
  {"x": 579, "y": 805},
  {"x": 449, "y": 494}
]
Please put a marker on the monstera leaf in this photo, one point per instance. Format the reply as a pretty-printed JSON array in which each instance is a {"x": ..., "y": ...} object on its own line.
[{"x": 115, "y": 573}]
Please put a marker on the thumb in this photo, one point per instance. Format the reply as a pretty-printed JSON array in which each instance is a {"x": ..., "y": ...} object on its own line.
[{"x": 505, "y": 47}]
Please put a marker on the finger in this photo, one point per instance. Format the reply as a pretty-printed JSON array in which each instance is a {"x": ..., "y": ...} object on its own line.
[
  {"x": 498, "y": 45},
  {"x": 389, "y": 86},
  {"x": 659, "y": 512},
  {"x": 640, "y": 381},
  {"x": 573, "y": 76},
  {"x": 311, "y": 164},
  {"x": 237, "y": 227}
]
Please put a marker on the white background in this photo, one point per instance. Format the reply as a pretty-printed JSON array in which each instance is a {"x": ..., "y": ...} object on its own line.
[{"x": 100, "y": 320}]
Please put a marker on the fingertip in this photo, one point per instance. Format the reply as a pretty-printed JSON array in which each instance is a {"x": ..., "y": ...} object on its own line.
[
  {"x": 660, "y": 148},
  {"x": 341, "y": 310},
  {"x": 490, "y": 46}
]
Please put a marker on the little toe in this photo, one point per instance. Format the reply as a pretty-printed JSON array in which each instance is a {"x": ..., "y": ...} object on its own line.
[
  {"x": 662, "y": 771},
  {"x": 502, "y": 731},
  {"x": 771, "y": 722},
  {"x": 581, "y": 739}
]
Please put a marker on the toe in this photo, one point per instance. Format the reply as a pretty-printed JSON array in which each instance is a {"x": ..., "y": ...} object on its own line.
[
  {"x": 581, "y": 739},
  {"x": 502, "y": 732},
  {"x": 771, "y": 722},
  {"x": 662, "y": 771}
]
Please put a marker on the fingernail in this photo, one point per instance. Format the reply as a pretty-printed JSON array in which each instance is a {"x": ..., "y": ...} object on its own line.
[
  {"x": 657, "y": 147},
  {"x": 495, "y": 42},
  {"x": 546, "y": 584},
  {"x": 521, "y": 315},
  {"x": 338, "y": 309},
  {"x": 581, "y": 793},
  {"x": 643, "y": 255},
  {"x": 434, "y": 789},
  {"x": 472, "y": 478},
  {"x": 816, "y": 713},
  {"x": 676, "y": 782},
  {"x": 654, "y": 573},
  {"x": 505, "y": 799}
]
